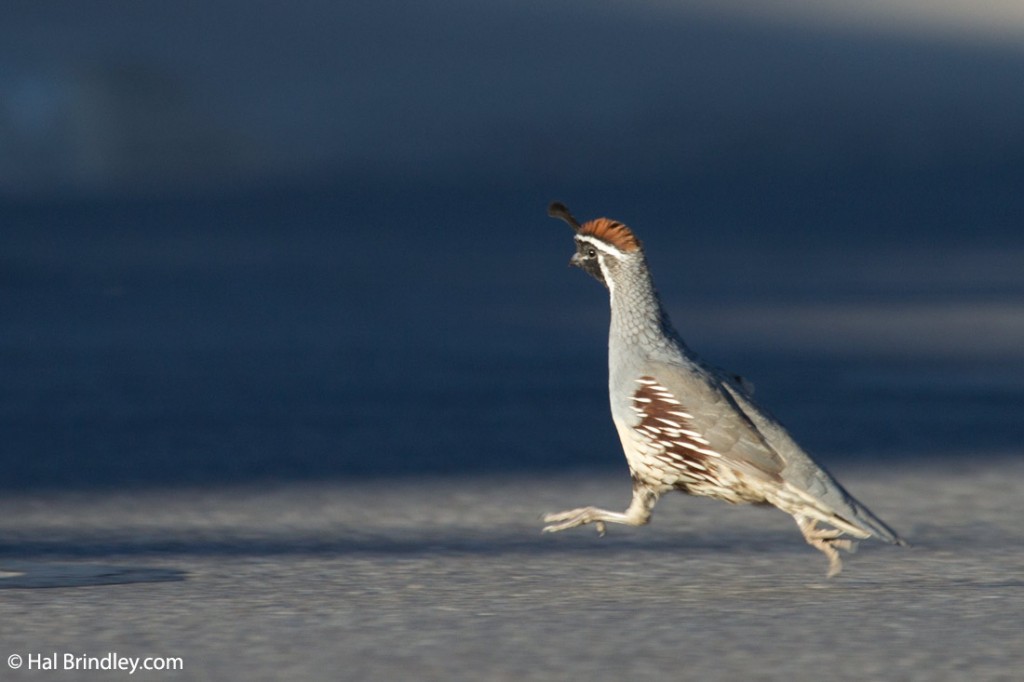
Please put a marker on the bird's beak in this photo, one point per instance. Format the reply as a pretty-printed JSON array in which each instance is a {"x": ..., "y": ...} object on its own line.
[{"x": 575, "y": 260}]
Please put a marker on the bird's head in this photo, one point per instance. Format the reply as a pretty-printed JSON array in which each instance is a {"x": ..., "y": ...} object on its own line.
[{"x": 602, "y": 245}]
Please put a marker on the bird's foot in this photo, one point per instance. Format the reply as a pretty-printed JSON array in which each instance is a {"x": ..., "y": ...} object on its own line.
[
  {"x": 830, "y": 547},
  {"x": 828, "y": 541},
  {"x": 577, "y": 517}
]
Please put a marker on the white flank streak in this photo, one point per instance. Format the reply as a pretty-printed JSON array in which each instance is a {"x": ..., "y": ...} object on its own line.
[
  {"x": 691, "y": 446},
  {"x": 697, "y": 437}
]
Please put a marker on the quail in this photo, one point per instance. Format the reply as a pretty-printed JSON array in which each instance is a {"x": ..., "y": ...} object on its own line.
[{"x": 689, "y": 427}]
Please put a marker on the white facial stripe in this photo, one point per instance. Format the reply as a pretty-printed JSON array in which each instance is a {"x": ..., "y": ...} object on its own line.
[
  {"x": 608, "y": 282},
  {"x": 601, "y": 245}
]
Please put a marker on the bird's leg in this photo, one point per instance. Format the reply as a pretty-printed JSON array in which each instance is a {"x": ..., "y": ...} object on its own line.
[
  {"x": 826, "y": 540},
  {"x": 637, "y": 514}
]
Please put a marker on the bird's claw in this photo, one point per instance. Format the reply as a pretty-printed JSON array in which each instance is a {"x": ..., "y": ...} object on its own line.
[{"x": 574, "y": 517}]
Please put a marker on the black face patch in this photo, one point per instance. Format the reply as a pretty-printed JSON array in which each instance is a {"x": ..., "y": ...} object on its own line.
[{"x": 587, "y": 259}]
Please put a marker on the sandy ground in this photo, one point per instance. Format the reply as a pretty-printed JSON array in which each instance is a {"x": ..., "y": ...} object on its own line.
[{"x": 444, "y": 579}]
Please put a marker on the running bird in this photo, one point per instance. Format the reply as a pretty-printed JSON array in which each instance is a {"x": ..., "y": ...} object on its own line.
[{"x": 686, "y": 426}]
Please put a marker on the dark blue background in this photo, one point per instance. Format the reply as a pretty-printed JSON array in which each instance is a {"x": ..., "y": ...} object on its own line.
[{"x": 258, "y": 242}]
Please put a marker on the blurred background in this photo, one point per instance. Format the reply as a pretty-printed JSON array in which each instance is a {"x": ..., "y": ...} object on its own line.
[{"x": 248, "y": 241}]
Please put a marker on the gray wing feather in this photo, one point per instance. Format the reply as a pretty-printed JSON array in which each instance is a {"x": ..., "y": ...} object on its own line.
[
  {"x": 721, "y": 422},
  {"x": 806, "y": 475},
  {"x": 750, "y": 441}
]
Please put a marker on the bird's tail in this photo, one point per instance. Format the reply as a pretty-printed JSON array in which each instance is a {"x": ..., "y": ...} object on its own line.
[
  {"x": 843, "y": 511},
  {"x": 866, "y": 519}
]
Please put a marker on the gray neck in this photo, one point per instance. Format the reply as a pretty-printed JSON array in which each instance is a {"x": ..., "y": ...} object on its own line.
[{"x": 639, "y": 324}]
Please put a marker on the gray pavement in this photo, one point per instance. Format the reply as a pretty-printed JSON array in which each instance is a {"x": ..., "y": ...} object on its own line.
[{"x": 450, "y": 579}]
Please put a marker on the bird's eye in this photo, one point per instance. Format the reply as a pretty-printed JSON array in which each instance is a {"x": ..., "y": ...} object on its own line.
[{"x": 591, "y": 252}]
